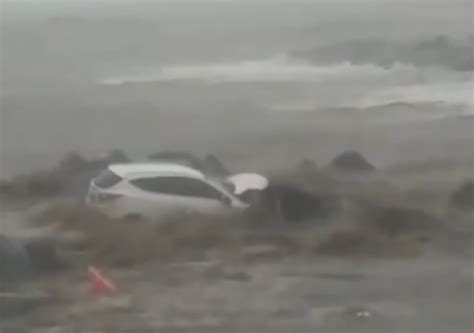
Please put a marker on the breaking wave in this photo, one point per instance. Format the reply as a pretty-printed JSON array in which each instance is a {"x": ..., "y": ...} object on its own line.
[
  {"x": 364, "y": 86},
  {"x": 279, "y": 68},
  {"x": 452, "y": 97}
]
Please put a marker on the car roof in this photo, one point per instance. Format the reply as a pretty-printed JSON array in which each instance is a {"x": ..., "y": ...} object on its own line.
[{"x": 169, "y": 169}]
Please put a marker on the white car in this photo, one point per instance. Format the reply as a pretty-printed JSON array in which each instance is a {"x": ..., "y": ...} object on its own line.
[{"x": 154, "y": 190}]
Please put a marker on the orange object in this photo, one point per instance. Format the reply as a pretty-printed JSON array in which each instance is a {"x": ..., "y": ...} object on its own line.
[{"x": 99, "y": 284}]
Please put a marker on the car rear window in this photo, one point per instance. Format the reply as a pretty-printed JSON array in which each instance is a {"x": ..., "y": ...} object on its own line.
[{"x": 106, "y": 179}]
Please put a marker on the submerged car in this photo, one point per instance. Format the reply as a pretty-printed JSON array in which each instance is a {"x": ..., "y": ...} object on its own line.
[{"x": 154, "y": 190}]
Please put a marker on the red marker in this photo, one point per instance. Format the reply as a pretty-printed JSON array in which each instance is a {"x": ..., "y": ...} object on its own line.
[{"x": 99, "y": 284}]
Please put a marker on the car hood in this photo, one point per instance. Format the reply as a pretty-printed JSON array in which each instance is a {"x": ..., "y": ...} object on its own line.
[{"x": 247, "y": 181}]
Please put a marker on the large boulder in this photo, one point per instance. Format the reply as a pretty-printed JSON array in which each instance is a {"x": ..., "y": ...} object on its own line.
[
  {"x": 295, "y": 205},
  {"x": 15, "y": 265},
  {"x": 43, "y": 256},
  {"x": 351, "y": 161},
  {"x": 23, "y": 259}
]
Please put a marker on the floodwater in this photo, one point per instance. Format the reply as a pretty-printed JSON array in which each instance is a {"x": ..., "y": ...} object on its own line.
[
  {"x": 432, "y": 293},
  {"x": 243, "y": 80}
]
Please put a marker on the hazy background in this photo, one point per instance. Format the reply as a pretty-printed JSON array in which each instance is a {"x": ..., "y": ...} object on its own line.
[{"x": 261, "y": 82}]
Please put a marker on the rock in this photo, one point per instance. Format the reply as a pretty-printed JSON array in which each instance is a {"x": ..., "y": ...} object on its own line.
[
  {"x": 463, "y": 197},
  {"x": 295, "y": 205},
  {"x": 351, "y": 161},
  {"x": 15, "y": 265},
  {"x": 215, "y": 167},
  {"x": 43, "y": 256}
]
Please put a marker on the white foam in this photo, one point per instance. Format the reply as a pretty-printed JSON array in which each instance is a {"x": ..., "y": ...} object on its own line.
[
  {"x": 456, "y": 93},
  {"x": 279, "y": 68}
]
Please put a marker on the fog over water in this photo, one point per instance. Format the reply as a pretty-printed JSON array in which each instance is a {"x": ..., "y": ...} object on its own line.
[{"x": 254, "y": 79}]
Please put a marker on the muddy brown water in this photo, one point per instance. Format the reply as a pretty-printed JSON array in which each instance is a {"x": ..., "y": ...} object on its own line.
[{"x": 431, "y": 293}]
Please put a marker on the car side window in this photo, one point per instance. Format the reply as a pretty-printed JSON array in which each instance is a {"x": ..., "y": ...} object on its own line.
[{"x": 182, "y": 186}]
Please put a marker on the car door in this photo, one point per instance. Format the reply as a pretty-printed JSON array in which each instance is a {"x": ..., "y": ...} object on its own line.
[
  {"x": 148, "y": 197},
  {"x": 198, "y": 196},
  {"x": 164, "y": 195}
]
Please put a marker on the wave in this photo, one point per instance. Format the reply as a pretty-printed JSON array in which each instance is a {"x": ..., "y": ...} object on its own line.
[
  {"x": 440, "y": 51},
  {"x": 448, "y": 97},
  {"x": 280, "y": 68},
  {"x": 343, "y": 85},
  {"x": 388, "y": 113},
  {"x": 454, "y": 93}
]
